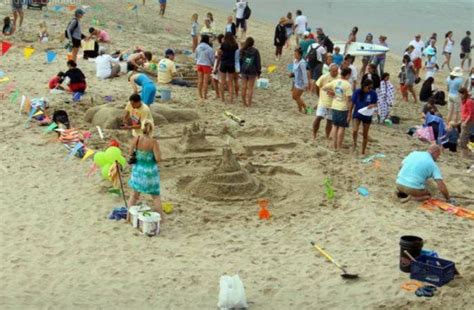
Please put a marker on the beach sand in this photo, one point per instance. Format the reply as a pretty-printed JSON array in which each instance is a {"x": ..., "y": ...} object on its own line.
[{"x": 59, "y": 250}]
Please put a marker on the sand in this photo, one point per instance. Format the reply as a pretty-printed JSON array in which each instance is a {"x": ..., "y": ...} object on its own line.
[{"x": 59, "y": 250}]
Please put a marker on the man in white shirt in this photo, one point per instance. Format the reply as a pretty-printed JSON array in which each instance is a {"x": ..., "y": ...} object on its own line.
[
  {"x": 300, "y": 26},
  {"x": 417, "y": 53},
  {"x": 348, "y": 63},
  {"x": 106, "y": 66},
  {"x": 241, "y": 22}
]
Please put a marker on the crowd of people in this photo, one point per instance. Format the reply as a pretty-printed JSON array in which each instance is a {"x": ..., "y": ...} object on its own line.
[{"x": 230, "y": 62}]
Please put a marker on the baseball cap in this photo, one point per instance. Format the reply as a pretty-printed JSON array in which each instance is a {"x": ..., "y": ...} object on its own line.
[{"x": 79, "y": 12}]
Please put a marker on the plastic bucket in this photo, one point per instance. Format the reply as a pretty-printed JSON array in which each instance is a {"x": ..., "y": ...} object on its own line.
[
  {"x": 134, "y": 212},
  {"x": 413, "y": 245},
  {"x": 149, "y": 223},
  {"x": 165, "y": 94}
]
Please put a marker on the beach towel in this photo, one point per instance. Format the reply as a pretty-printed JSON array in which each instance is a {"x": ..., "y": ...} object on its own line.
[
  {"x": 386, "y": 97},
  {"x": 432, "y": 204}
]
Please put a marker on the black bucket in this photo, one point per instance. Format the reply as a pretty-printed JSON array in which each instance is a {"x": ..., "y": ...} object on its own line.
[{"x": 413, "y": 245}]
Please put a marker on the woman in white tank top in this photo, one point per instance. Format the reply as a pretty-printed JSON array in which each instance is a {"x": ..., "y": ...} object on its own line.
[{"x": 448, "y": 49}]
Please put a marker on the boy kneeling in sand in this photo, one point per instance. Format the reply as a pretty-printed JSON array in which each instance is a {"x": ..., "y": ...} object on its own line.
[{"x": 135, "y": 114}]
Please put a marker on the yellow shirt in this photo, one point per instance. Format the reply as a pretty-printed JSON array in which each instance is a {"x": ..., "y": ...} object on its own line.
[
  {"x": 138, "y": 116},
  {"x": 343, "y": 90},
  {"x": 324, "y": 100},
  {"x": 166, "y": 69}
]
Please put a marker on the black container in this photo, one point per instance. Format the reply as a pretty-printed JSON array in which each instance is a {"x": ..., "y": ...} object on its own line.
[{"x": 413, "y": 245}]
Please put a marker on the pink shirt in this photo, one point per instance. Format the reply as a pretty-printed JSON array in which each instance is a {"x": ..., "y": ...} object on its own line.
[{"x": 103, "y": 36}]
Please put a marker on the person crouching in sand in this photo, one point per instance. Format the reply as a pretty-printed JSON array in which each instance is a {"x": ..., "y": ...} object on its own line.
[
  {"x": 416, "y": 169},
  {"x": 300, "y": 83}
]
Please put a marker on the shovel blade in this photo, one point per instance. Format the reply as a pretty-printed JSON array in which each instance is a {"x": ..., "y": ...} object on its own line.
[{"x": 349, "y": 276}]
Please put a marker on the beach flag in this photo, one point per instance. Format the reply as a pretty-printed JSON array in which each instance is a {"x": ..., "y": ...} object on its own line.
[
  {"x": 4, "y": 79},
  {"x": 5, "y": 47},
  {"x": 71, "y": 7},
  {"x": 38, "y": 113},
  {"x": 88, "y": 154},
  {"x": 74, "y": 150},
  {"x": 51, "y": 127},
  {"x": 95, "y": 22},
  {"x": 272, "y": 68},
  {"x": 14, "y": 96},
  {"x": 50, "y": 56},
  {"x": 27, "y": 52}
]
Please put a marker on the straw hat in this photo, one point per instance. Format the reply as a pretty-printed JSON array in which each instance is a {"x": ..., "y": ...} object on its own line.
[
  {"x": 282, "y": 19},
  {"x": 457, "y": 71}
]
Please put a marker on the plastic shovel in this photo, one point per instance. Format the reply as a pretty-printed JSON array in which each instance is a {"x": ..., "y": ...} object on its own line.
[{"x": 344, "y": 274}]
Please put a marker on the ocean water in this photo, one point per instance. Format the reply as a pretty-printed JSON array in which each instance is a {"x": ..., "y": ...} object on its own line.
[{"x": 399, "y": 20}]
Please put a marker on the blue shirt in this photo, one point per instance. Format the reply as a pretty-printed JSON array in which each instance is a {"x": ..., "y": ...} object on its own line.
[
  {"x": 301, "y": 77},
  {"x": 337, "y": 59},
  {"x": 454, "y": 85},
  {"x": 418, "y": 167},
  {"x": 363, "y": 101}
]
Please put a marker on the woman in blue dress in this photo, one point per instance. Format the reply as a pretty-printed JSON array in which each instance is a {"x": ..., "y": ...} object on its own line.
[
  {"x": 148, "y": 88},
  {"x": 145, "y": 176}
]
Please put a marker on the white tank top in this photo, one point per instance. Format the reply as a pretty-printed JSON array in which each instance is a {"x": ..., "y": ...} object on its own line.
[{"x": 449, "y": 46}]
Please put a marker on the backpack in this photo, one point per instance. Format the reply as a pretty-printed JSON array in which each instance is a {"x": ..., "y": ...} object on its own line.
[
  {"x": 248, "y": 63},
  {"x": 312, "y": 56},
  {"x": 247, "y": 12},
  {"x": 72, "y": 30},
  {"x": 327, "y": 43}
]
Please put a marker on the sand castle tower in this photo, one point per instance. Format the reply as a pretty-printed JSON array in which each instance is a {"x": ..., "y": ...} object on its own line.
[
  {"x": 194, "y": 140},
  {"x": 228, "y": 181}
]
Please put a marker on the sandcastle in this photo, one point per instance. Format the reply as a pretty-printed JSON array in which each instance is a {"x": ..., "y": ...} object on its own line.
[
  {"x": 228, "y": 181},
  {"x": 194, "y": 140}
]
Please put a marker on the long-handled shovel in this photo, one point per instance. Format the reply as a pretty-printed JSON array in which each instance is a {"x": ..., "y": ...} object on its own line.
[{"x": 344, "y": 274}]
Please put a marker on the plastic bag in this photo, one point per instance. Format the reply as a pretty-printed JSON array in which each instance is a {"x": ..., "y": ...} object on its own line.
[{"x": 232, "y": 293}]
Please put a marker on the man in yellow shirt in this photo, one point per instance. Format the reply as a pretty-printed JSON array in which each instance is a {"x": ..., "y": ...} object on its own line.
[
  {"x": 324, "y": 105},
  {"x": 341, "y": 92},
  {"x": 167, "y": 71},
  {"x": 135, "y": 114}
]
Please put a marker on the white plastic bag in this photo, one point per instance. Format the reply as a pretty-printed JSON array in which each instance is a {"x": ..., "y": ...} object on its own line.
[{"x": 232, "y": 293}]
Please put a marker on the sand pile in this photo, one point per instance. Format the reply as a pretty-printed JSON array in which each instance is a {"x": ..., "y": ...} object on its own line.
[
  {"x": 110, "y": 116},
  {"x": 228, "y": 181}
]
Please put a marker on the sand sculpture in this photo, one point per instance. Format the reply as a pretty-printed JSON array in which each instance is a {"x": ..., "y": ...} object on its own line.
[
  {"x": 194, "y": 140},
  {"x": 109, "y": 116},
  {"x": 228, "y": 181}
]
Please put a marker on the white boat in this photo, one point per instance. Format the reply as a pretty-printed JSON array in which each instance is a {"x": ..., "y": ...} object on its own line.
[{"x": 361, "y": 49}]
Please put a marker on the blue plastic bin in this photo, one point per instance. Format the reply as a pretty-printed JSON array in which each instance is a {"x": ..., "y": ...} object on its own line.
[{"x": 433, "y": 270}]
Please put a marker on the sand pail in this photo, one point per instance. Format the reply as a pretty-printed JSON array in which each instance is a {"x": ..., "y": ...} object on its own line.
[
  {"x": 413, "y": 245},
  {"x": 149, "y": 223},
  {"x": 134, "y": 212},
  {"x": 165, "y": 94}
]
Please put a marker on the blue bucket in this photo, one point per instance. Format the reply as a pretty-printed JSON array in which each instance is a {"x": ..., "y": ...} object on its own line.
[{"x": 165, "y": 94}]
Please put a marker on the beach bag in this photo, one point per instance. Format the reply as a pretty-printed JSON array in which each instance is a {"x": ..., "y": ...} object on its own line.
[
  {"x": 65, "y": 31},
  {"x": 312, "y": 57},
  {"x": 425, "y": 134},
  {"x": 248, "y": 64},
  {"x": 247, "y": 12},
  {"x": 231, "y": 293}
]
